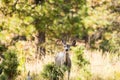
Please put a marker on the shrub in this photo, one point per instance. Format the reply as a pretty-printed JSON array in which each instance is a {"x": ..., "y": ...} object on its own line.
[
  {"x": 3, "y": 77},
  {"x": 82, "y": 64},
  {"x": 53, "y": 72},
  {"x": 110, "y": 46},
  {"x": 79, "y": 58},
  {"x": 9, "y": 64}
]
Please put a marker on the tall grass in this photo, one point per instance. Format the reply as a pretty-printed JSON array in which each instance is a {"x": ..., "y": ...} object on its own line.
[{"x": 101, "y": 67}]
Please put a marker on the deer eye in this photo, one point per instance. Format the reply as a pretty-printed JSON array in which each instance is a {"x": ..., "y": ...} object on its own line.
[{"x": 68, "y": 46}]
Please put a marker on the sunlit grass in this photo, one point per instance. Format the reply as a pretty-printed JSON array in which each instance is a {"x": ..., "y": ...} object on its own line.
[{"x": 102, "y": 67}]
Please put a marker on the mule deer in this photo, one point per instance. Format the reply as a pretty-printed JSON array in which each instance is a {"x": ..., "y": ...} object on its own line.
[{"x": 63, "y": 57}]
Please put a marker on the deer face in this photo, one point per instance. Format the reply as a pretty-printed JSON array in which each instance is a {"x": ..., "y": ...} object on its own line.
[{"x": 67, "y": 46}]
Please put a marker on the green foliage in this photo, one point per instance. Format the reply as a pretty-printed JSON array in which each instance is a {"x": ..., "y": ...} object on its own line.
[
  {"x": 58, "y": 19},
  {"x": 53, "y": 72},
  {"x": 3, "y": 77},
  {"x": 2, "y": 48},
  {"x": 111, "y": 45},
  {"x": 79, "y": 58},
  {"x": 105, "y": 45},
  {"x": 82, "y": 63},
  {"x": 10, "y": 64}
]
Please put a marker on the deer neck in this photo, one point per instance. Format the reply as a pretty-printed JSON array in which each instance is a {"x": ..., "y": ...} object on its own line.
[
  {"x": 67, "y": 54},
  {"x": 66, "y": 58}
]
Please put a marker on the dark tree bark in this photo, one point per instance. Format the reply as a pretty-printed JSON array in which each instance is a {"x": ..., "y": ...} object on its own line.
[{"x": 41, "y": 50}]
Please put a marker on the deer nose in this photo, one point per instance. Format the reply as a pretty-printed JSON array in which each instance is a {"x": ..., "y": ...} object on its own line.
[{"x": 66, "y": 50}]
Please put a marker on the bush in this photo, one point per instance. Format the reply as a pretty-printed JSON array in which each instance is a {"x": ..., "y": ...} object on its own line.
[
  {"x": 53, "y": 72},
  {"x": 82, "y": 64},
  {"x": 110, "y": 45},
  {"x": 79, "y": 57},
  {"x": 3, "y": 77},
  {"x": 10, "y": 64}
]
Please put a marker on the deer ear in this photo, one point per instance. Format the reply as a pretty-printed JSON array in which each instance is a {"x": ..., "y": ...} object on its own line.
[
  {"x": 64, "y": 42},
  {"x": 74, "y": 43}
]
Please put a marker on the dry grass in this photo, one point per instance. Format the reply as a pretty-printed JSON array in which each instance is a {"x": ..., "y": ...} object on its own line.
[{"x": 102, "y": 67}]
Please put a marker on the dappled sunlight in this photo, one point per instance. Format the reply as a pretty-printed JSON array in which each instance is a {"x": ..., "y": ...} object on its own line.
[{"x": 50, "y": 37}]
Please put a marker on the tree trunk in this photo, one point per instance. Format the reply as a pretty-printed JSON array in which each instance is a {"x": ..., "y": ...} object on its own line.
[{"x": 41, "y": 51}]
